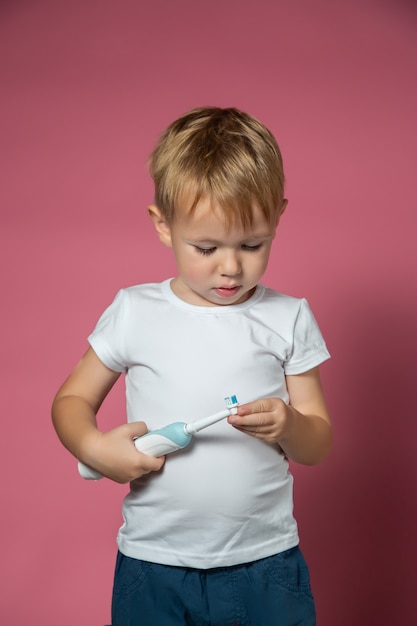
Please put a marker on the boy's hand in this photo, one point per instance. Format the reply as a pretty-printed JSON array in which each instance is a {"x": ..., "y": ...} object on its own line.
[
  {"x": 268, "y": 419},
  {"x": 302, "y": 428},
  {"x": 114, "y": 455}
]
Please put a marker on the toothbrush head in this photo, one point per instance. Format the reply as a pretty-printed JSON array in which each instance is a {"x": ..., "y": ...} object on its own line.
[{"x": 231, "y": 402}]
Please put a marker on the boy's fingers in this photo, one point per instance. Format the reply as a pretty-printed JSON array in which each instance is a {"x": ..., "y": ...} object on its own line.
[
  {"x": 152, "y": 463},
  {"x": 252, "y": 421},
  {"x": 136, "y": 429},
  {"x": 258, "y": 406}
]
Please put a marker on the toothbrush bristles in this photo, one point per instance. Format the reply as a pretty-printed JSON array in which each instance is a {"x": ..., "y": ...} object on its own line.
[{"x": 231, "y": 402}]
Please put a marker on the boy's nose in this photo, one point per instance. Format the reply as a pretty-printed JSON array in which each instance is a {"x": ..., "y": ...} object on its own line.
[{"x": 230, "y": 264}]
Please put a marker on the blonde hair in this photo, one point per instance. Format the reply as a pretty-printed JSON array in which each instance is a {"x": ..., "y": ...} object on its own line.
[{"x": 223, "y": 154}]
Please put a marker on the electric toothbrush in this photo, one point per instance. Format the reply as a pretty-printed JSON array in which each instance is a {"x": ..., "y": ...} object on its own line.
[{"x": 170, "y": 438}]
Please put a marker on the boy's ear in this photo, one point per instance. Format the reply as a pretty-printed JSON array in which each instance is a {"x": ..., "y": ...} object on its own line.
[
  {"x": 161, "y": 225},
  {"x": 281, "y": 211}
]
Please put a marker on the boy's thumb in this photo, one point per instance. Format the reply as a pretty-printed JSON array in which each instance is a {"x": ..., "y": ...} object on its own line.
[{"x": 136, "y": 429}]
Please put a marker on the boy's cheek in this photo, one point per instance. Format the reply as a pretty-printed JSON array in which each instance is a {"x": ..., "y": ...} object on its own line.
[{"x": 193, "y": 272}]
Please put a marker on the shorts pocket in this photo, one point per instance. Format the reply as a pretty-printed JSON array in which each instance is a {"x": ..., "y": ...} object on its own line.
[
  {"x": 290, "y": 570},
  {"x": 129, "y": 575}
]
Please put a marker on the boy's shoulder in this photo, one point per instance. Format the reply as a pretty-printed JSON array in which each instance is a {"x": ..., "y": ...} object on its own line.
[
  {"x": 143, "y": 290},
  {"x": 135, "y": 298},
  {"x": 274, "y": 297},
  {"x": 277, "y": 307}
]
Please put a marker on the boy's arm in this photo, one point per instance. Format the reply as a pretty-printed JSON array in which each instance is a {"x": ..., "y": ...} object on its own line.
[
  {"x": 301, "y": 428},
  {"x": 74, "y": 411}
]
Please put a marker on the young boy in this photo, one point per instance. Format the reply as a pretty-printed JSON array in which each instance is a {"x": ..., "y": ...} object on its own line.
[{"x": 209, "y": 536}]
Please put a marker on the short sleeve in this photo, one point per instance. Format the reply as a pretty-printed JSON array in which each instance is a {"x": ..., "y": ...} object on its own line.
[
  {"x": 108, "y": 337},
  {"x": 308, "y": 348}
]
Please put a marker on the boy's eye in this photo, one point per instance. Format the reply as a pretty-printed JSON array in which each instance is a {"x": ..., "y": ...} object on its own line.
[
  {"x": 252, "y": 248},
  {"x": 205, "y": 251}
]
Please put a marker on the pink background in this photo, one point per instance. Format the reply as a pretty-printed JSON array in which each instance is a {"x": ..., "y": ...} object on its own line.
[{"x": 86, "y": 88}]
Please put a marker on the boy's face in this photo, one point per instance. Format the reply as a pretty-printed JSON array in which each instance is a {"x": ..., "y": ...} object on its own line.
[{"x": 216, "y": 265}]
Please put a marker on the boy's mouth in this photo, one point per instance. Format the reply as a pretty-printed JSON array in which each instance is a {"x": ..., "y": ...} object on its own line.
[{"x": 227, "y": 292}]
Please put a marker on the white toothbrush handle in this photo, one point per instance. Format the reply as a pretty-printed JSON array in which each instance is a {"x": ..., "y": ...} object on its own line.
[
  {"x": 88, "y": 472},
  {"x": 156, "y": 443}
]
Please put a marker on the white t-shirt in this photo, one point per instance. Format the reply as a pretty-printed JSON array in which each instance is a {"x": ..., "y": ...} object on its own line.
[{"x": 227, "y": 497}]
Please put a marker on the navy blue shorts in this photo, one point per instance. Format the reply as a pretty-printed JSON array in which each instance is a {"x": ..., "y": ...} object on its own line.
[{"x": 270, "y": 592}]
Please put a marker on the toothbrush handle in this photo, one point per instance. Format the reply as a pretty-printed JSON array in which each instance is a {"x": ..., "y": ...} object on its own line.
[
  {"x": 155, "y": 443},
  {"x": 88, "y": 472}
]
